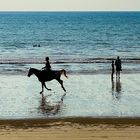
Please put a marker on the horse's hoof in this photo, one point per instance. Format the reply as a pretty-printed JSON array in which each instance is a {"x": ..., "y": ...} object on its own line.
[{"x": 49, "y": 89}]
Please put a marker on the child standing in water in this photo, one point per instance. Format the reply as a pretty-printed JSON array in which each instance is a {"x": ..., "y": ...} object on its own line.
[{"x": 112, "y": 69}]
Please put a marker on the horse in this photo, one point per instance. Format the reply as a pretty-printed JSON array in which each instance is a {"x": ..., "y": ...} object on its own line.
[{"x": 44, "y": 76}]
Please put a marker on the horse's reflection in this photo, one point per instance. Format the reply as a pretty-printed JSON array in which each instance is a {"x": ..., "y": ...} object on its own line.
[
  {"x": 116, "y": 88},
  {"x": 48, "y": 108}
]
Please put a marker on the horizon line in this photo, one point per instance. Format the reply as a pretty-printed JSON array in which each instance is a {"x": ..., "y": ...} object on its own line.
[{"x": 69, "y": 10}]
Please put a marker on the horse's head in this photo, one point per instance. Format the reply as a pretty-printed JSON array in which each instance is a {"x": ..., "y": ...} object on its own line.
[{"x": 30, "y": 72}]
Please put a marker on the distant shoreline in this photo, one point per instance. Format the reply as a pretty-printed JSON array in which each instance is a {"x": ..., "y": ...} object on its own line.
[{"x": 72, "y": 11}]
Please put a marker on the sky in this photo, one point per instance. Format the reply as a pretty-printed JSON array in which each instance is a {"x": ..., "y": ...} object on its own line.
[{"x": 69, "y": 5}]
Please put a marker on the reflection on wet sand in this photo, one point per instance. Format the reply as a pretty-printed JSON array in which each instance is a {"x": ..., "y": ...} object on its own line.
[
  {"x": 50, "y": 108},
  {"x": 116, "y": 88}
]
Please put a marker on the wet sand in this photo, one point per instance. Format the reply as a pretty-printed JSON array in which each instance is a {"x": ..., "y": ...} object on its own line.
[
  {"x": 71, "y": 129},
  {"x": 86, "y": 96}
]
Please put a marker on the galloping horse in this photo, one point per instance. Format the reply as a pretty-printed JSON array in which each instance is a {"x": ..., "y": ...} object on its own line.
[{"x": 44, "y": 76}]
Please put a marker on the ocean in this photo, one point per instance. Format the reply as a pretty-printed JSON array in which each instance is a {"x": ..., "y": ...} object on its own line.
[
  {"x": 73, "y": 39},
  {"x": 82, "y": 43}
]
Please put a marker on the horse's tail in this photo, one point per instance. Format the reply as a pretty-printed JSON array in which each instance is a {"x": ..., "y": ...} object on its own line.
[{"x": 63, "y": 72}]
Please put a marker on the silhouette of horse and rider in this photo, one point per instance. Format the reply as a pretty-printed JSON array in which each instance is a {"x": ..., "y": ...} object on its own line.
[{"x": 47, "y": 74}]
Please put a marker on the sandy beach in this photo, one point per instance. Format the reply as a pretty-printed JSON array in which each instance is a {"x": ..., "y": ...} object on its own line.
[{"x": 71, "y": 129}]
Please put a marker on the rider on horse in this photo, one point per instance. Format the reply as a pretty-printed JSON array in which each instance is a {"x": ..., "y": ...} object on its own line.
[
  {"x": 47, "y": 65},
  {"x": 47, "y": 74}
]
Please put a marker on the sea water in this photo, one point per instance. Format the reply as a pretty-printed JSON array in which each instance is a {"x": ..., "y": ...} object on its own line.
[
  {"x": 72, "y": 38},
  {"x": 84, "y": 44}
]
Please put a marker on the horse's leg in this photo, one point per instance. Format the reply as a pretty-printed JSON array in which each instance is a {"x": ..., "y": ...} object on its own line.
[
  {"x": 61, "y": 83},
  {"x": 45, "y": 86},
  {"x": 42, "y": 88}
]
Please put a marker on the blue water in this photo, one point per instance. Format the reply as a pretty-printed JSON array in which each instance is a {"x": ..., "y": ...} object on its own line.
[
  {"x": 69, "y": 36},
  {"x": 81, "y": 43}
]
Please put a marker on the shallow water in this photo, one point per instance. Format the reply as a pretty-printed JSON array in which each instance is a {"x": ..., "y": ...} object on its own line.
[
  {"x": 71, "y": 68},
  {"x": 87, "y": 95}
]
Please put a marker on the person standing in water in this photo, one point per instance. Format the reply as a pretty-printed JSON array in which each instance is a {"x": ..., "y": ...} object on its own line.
[
  {"x": 118, "y": 65},
  {"x": 112, "y": 65}
]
